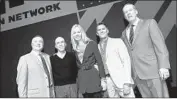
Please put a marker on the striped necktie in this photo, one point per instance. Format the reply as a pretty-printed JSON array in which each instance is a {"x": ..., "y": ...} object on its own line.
[
  {"x": 131, "y": 34},
  {"x": 45, "y": 69}
]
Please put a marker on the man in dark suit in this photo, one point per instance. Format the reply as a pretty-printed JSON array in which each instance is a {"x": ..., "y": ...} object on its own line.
[
  {"x": 149, "y": 54},
  {"x": 34, "y": 75}
]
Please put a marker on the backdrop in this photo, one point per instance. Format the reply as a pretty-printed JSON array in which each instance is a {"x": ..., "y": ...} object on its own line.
[{"x": 23, "y": 20}]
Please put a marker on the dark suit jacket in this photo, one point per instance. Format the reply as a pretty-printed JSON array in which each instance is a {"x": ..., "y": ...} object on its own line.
[
  {"x": 148, "y": 50},
  {"x": 88, "y": 76}
]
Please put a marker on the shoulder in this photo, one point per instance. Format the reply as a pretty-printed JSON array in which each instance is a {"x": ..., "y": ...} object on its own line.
[
  {"x": 45, "y": 54},
  {"x": 71, "y": 54},
  {"x": 92, "y": 43},
  {"x": 24, "y": 57},
  {"x": 153, "y": 21},
  {"x": 53, "y": 55},
  {"x": 150, "y": 20},
  {"x": 117, "y": 40}
]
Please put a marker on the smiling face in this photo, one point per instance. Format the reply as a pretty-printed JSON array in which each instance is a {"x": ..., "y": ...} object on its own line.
[
  {"x": 102, "y": 31},
  {"x": 37, "y": 43},
  {"x": 77, "y": 34},
  {"x": 60, "y": 44},
  {"x": 130, "y": 13}
]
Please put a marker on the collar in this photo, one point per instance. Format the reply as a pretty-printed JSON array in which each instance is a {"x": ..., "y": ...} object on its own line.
[
  {"x": 61, "y": 55},
  {"x": 136, "y": 22},
  {"x": 35, "y": 52},
  {"x": 105, "y": 40}
]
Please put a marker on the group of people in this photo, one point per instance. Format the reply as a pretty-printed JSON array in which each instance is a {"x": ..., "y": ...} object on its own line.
[{"x": 111, "y": 68}]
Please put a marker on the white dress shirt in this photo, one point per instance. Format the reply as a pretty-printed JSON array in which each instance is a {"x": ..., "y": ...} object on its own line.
[
  {"x": 37, "y": 55},
  {"x": 128, "y": 29}
]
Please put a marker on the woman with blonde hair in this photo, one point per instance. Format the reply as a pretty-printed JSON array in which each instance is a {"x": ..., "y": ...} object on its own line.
[{"x": 87, "y": 53}]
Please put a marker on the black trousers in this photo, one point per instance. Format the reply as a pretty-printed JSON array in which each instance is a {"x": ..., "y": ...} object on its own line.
[{"x": 93, "y": 95}]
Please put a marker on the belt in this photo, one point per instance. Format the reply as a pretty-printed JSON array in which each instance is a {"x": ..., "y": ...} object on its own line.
[{"x": 107, "y": 75}]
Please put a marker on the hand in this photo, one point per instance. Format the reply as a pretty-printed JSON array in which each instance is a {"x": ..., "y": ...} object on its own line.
[
  {"x": 103, "y": 79},
  {"x": 126, "y": 89},
  {"x": 86, "y": 67},
  {"x": 103, "y": 84},
  {"x": 96, "y": 66},
  {"x": 164, "y": 73}
]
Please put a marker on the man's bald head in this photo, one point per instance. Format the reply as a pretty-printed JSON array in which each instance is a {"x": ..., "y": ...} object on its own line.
[
  {"x": 37, "y": 43},
  {"x": 130, "y": 12},
  {"x": 60, "y": 44}
]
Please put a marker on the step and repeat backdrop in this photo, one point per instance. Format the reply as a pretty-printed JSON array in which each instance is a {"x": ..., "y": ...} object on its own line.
[{"x": 20, "y": 21}]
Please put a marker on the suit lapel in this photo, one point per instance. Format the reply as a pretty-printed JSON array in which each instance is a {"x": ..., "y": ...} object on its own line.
[
  {"x": 35, "y": 59},
  {"x": 107, "y": 46},
  {"x": 46, "y": 60},
  {"x": 125, "y": 37},
  {"x": 99, "y": 47},
  {"x": 137, "y": 31}
]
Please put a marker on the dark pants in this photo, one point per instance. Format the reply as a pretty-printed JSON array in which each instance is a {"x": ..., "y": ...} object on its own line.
[{"x": 93, "y": 95}]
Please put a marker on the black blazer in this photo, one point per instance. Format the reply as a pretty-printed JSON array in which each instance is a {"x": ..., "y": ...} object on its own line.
[{"x": 88, "y": 76}]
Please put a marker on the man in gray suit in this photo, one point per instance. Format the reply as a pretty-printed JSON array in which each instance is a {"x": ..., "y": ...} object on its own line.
[
  {"x": 149, "y": 54},
  {"x": 34, "y": 75}
]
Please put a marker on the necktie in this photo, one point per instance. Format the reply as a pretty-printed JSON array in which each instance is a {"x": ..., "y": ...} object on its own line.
[
  {"x": 45, "y": 68},
  {"x": 103, "y": 54},
  {"x": 131, "y": 34}
]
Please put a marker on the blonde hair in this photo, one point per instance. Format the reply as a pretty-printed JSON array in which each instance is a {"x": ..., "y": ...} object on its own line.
[{"x": 84, "y": 36}]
